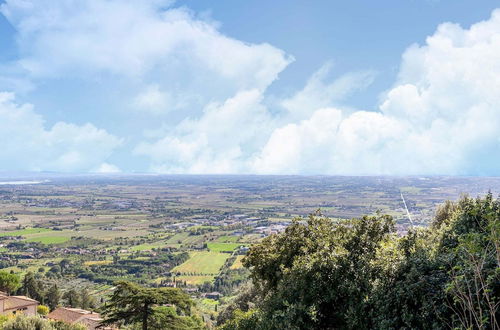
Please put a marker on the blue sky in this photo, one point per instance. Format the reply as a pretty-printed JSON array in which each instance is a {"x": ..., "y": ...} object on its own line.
[{"x": 282, "y": 87}]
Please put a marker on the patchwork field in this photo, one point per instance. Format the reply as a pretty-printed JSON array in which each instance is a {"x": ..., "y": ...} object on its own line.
[
  {"x": 159, "y": 229},
  {"x": 224, "y": 247},
  {"x": 228, "y": 239},
  {"x": 48, "y": 239},
  {"x": 203, "y": 263},
  {"x": 24, "y": 232},
  {"x": 195, "y": 279},
  {"x": 148, "y": 246}
]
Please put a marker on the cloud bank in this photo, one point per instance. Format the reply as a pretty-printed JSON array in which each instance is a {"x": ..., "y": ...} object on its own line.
[
  {"x": 199, "y": 99},
  {"x": 26, "y": 143},
  {"x": 441, "y": 117}
]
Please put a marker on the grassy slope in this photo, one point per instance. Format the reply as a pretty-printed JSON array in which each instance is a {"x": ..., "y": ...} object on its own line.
[
  {"x": 205, "y": 262},
  {"x": 223, "y": 247}
]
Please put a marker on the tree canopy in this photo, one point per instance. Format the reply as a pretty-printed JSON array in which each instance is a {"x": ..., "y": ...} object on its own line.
[
  {"x": 9, "y": 282},
  {"x": 131, "y": 303},
  {"x": 361, "y": 274}
]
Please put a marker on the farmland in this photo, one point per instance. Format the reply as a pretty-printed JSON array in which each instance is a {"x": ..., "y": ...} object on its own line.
[
  {"x": 186, "y": 231},
  {"x": 202, "y": 263},
  {"x": 223, "y": 247},
  {"x": 24, "y": 232}
]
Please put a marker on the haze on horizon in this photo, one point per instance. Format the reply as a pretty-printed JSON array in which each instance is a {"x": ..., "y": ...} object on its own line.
[{"x": 187, "y": 87}]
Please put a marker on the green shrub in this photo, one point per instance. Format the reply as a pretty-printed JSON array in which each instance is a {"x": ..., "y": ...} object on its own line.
[
  {"x": 23, "y": 322},
  {"x": 42, "y": 310}
]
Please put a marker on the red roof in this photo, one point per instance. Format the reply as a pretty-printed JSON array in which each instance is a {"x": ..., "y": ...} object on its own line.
[{"x": 73, "y": 315}]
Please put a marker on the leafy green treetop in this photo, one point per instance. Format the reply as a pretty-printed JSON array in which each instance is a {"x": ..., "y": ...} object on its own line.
[
  {"x": 53, "y": 297},
  {"x": 9, "y": 282},
  {"x": 32, "y": 287},
  {"x": 131, "y": 303},
  {"x": 326, "y": 274},
  {"x": 318, "y": 273}
]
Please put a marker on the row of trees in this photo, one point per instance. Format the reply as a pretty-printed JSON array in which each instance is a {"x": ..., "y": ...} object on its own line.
[
  {"x": 361, "y": 274},
  {"x": 141, "y": 269}
]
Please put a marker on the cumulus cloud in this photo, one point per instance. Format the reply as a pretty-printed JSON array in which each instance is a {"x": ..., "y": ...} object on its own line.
[
  {"x": 290, "y": 145},
  {"x": 143, "y": 41},
  {"x": 441, "y": 117},
  {"x": 229, "y": 135},
  {"x": 27, "y": 145},
  {"x": 171, "y": 68},
  {"x": 217, "y": 142},
  {"x": 319, "y": 92}
]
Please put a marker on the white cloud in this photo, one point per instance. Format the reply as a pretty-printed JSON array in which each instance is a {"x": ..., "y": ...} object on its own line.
[
  {"x": 294, "y": 148},
  {"x": 217, "y": 142},
  {"x": 27, "y": 145},
  {"x": 442, "y": 117},
  {"x": 201, "y": 101},
  {"x": 137, "y": 39},
  {"x": 173, "y": 69},
  {"x": 107, "y": 168},
  {"x": 153, "y": 101},
  {"x": 319, "y": 93},
  {"x": 227, "y": 136}
]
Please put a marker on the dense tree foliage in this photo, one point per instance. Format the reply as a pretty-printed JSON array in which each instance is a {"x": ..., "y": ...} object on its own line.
[
  {"x": 133, "y": 267},
  {"x": 361, "y": 274},
  {"x": 167, "y": 318},
  {"x": 72, "y": 298},
  {"x": 9, "y": 282},
  {"x": 33, "y": 287},
  {"x": 52, "y": 297},
  {"x": 86, "y": 300}
]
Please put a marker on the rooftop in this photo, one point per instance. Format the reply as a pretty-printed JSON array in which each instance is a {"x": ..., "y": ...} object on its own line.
[
  {"x": 73, "y": 315},
  {"x": 16, "y": 302}
]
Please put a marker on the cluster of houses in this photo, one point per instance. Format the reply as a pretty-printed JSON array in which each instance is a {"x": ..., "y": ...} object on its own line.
[
  {"x": 27, "y": 306},
  {"x": 253, "y": 225}
]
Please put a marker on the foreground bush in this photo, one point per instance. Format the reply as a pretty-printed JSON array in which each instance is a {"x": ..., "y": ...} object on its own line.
[
  {"x": 359, "y": 274},
  {"x": 23, "y": 322}
]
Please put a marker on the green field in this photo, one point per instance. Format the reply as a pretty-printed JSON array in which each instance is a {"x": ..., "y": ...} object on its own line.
[
  {"x": 203, "y": 227},
  {"x": 228, "y": 239},
  {"x": 195, "y": 280},
  {"x": 209, "y": 302},
  {"x": 23, "y": 232},
  {"x": 147, "y": 246},
  {"x": 178, "y": 238},
  {"x": 206, "y": 263},
  {"x": 49, "y": 239},
  {"x": 223, "y": 247},
  {"x": 42, "y": 235}
]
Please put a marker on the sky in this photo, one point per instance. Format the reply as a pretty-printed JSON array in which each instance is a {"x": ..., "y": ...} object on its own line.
[{"x": 390, "y": 87}]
